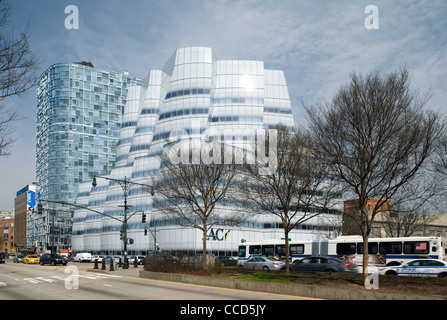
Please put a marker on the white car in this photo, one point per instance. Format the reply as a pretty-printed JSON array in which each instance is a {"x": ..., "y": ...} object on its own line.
[
  {"x": 97, "y": 257},
  {"x": 83, "y": 257},
  {"x": 418, "y": 267}
]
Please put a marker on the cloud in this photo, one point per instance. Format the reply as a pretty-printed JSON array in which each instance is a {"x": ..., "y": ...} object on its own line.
[{"x": 317, "y": 43}]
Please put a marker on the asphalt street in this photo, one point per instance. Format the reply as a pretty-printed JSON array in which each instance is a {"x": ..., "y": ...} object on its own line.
[{"x": 75, "y": 282}]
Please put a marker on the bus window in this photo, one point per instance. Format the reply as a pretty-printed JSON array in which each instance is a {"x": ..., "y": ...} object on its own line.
[
  {"x": 373, "y": 248},
  {"x": 280, "y": 250},
  {"x": 297, "y": 248},
  {"x": 390, "y": 247},
  {"x": 242, "y": 251},
  {"x": 268, "y": 251},
  {"x": 346, "y": 248},
  {"x": 254, "y": 250},
  {"x": 416, "y": 247}
]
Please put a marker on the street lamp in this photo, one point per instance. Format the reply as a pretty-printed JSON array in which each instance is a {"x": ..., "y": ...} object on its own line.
[{"x": 125, "y": 185}]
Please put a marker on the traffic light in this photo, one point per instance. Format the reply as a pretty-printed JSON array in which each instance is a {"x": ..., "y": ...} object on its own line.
[
  {"x": 145, "y": 231},
  {"x": 39, "y": 208},
  {"x": 143, "y": 218}
]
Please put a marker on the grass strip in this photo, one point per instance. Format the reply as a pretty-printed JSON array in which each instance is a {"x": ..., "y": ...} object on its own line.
[{"x": 262, "y": 276}]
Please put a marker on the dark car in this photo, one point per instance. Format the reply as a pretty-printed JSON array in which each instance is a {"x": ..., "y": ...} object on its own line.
[
  {"x": 53, "y": 259},
  {"x": 2, "y": 258},
  {"x": 322, "y": 264},
  {"x": 18, "y": 259},
  {"x": 227, "y": 261}
]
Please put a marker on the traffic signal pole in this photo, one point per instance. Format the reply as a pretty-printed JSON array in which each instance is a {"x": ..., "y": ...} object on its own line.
[{"x": 125, "y": 185}]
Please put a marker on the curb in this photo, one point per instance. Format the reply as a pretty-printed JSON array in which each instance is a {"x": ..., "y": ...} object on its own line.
[{"x": 316, "y": 292}]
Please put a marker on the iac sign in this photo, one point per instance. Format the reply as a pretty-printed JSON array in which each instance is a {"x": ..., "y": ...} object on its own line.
[{"x": 217, "y": 234}]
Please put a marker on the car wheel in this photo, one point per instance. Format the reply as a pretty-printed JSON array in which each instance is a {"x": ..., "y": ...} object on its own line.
[
  {"x": 330, "y": 270},
  {"x": 391, "y": 273},
  {"x": 53, "y": 263},
  {"x": 265, "y": 268}
]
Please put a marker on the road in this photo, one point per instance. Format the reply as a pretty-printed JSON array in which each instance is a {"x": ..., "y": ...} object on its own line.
[{"x": 74, "y": 282}]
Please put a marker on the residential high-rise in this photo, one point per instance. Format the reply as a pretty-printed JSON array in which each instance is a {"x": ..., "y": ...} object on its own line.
[
  {"x": 24, "y": 200},
  {"x": 79, "y": 113},
  {"x": 194, "y": 93}
]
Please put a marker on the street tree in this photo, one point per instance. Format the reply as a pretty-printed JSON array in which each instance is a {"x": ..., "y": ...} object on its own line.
[
  {"x": 17, "y": 73},
  {"x": 376, "y": 136},
  {"x": 299, "y": 190},
  {"x": 194, "y": 192}
]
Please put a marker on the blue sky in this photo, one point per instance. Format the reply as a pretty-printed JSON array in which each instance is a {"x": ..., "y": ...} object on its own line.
[{"x": 317, "y": 43}]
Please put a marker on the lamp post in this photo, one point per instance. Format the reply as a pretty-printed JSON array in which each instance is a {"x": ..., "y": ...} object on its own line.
[{"x": 125, "y": 185}]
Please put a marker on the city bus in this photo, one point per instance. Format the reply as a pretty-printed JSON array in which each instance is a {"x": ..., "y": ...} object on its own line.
[{"x": 381, "y": 251}]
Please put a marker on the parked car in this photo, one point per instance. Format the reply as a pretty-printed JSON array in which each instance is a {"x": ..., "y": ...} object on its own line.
[
  {"x": 140, "y": 259},
  {"x": 116, "y": 258},
  {"x": 322, "y": 264},
  {"x": 18, "y": 259},
  {"x": 227, "y": 261},
  {"x": 83, "y": 257},
  {"x": 31, "y": 258},
  {"x": 263, "y": 263},
  {"x": 53, "y": 259},
  {"x": 2, "y": 258},
  {"x": 418, "y": 267},
  {"x": 96, "y": 257}
]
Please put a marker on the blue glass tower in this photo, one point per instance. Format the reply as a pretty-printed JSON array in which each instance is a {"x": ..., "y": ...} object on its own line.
[{"x": 79, "y": 113}]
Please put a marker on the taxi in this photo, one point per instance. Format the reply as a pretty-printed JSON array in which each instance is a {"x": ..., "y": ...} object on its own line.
[
  {"x": 31, "y": 258},
  {"x": 418, "y": 267}
]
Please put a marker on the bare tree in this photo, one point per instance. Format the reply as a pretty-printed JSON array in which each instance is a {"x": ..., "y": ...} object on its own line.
[
  {"x": 194, "y": 192},
  {"x": 413, "y": 205},
  {"x": 17, "y": 73},
  {"x": 376, "y": 136},
  {"x": 299, "y": 190}
]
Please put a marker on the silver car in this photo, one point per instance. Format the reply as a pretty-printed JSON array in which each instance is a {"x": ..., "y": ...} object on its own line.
[
  {"x": 322, "y": 264},
  {"x": 263, "y": 263}
]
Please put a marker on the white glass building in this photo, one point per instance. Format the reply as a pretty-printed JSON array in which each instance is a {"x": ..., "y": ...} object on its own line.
[{"x": 194, "y": 92}]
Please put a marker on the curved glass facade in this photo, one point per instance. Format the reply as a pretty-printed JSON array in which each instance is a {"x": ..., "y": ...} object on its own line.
[{"x": 193, "y": 93}]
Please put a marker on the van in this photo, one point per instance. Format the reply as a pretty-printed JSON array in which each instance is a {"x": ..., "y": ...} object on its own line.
[{"x": 83, "y": 257}]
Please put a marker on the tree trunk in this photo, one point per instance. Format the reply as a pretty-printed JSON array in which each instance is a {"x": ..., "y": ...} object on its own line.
[
  {"x": 286, "y": 233},
  {"x": 365, "y": 255},
  {"x": 365, "y": 234},
  {"x": 204, "y": 265}
]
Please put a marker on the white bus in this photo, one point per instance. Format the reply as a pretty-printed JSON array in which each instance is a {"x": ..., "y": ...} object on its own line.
[{"x": 381, "y": 251}]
